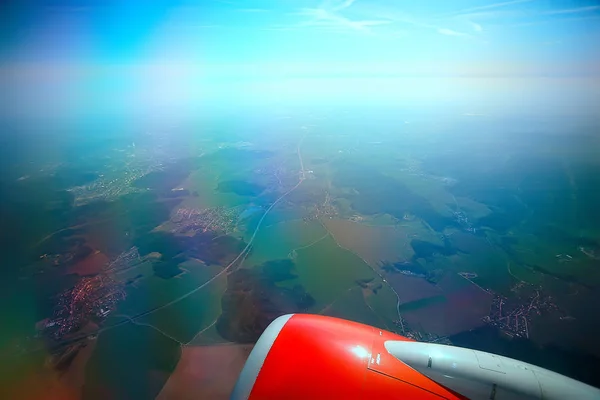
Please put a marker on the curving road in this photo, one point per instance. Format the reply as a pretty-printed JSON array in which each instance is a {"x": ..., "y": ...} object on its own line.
[
  {"x": 226, "y": 269},
  {"x": 132, "y": 319}
]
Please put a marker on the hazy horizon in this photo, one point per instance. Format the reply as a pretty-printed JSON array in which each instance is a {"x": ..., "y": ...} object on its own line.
[{"x": 510, "y": 56}]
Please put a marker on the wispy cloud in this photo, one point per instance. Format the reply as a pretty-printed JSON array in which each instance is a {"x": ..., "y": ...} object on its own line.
[
  {"x": 334, "y": 15},
  {"x": 435, "y": 26},
  {"x": 476, "y": 27},
  {"x": 342, "y": 6},
  {"x": 554, "y": 21},
  {"x": 491, "y": 6},
  {"x": 503, "y": 10},
  {"x": 330, "y": 16},
  {"x": 573, "y": 10},
  {"x": 336, "y": 21}
]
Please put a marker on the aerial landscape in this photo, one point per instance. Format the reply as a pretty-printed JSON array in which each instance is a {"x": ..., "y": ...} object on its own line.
[{"x": 157, "y": 215}]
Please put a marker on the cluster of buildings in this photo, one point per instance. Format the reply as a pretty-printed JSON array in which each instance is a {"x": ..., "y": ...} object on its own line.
[
  {"x": 404, "y": 330},
  {"x": 122, "y": 169},
  {"x": 513, "y": 316},
  {"x": 327, "y": 210},
  {"x": 108, "y": 188},
  {"x": 191, "y": 221},
  {"x": 125, "y": 260},
  {"x": 90, "y": 300},
  {"x": 463, "y": 221}
]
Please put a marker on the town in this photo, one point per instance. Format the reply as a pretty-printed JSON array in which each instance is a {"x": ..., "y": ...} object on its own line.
[
  {"x": 404, "y": 330},
  {"x": 189, "y": 221},
  {"x": 325, "y": 210},
  {"x": 513, "y": 316},
  {"x": 91, "y": 300},
  {"x": 123, "y": 167}
]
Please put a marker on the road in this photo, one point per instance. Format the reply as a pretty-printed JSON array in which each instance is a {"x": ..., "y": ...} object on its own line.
[
  {"x": 231, "y": 264},
  {"x": 372, "y": 268},
  {"x": 132, "y": 319}
]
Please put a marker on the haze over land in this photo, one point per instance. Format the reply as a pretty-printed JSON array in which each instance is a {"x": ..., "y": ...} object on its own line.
[{"x": 174, "y": 177}]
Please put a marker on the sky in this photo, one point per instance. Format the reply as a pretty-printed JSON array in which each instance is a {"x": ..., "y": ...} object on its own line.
[
  {"x": 463, "y": 37},
  {"x": 173, "y": 45}
]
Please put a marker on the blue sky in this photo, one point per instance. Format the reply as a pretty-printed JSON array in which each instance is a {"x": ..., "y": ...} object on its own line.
[
  {"x": 59, "y": 56},
  {"x": 314, "y": 37}
]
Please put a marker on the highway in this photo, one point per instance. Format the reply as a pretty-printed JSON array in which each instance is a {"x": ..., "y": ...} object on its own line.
[
  {"x": 232, "y": 263},
  {"x": 132, "y": 319}
]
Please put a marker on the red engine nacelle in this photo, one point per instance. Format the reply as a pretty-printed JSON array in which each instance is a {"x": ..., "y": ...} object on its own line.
[{"x": 310, "y": 357}]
